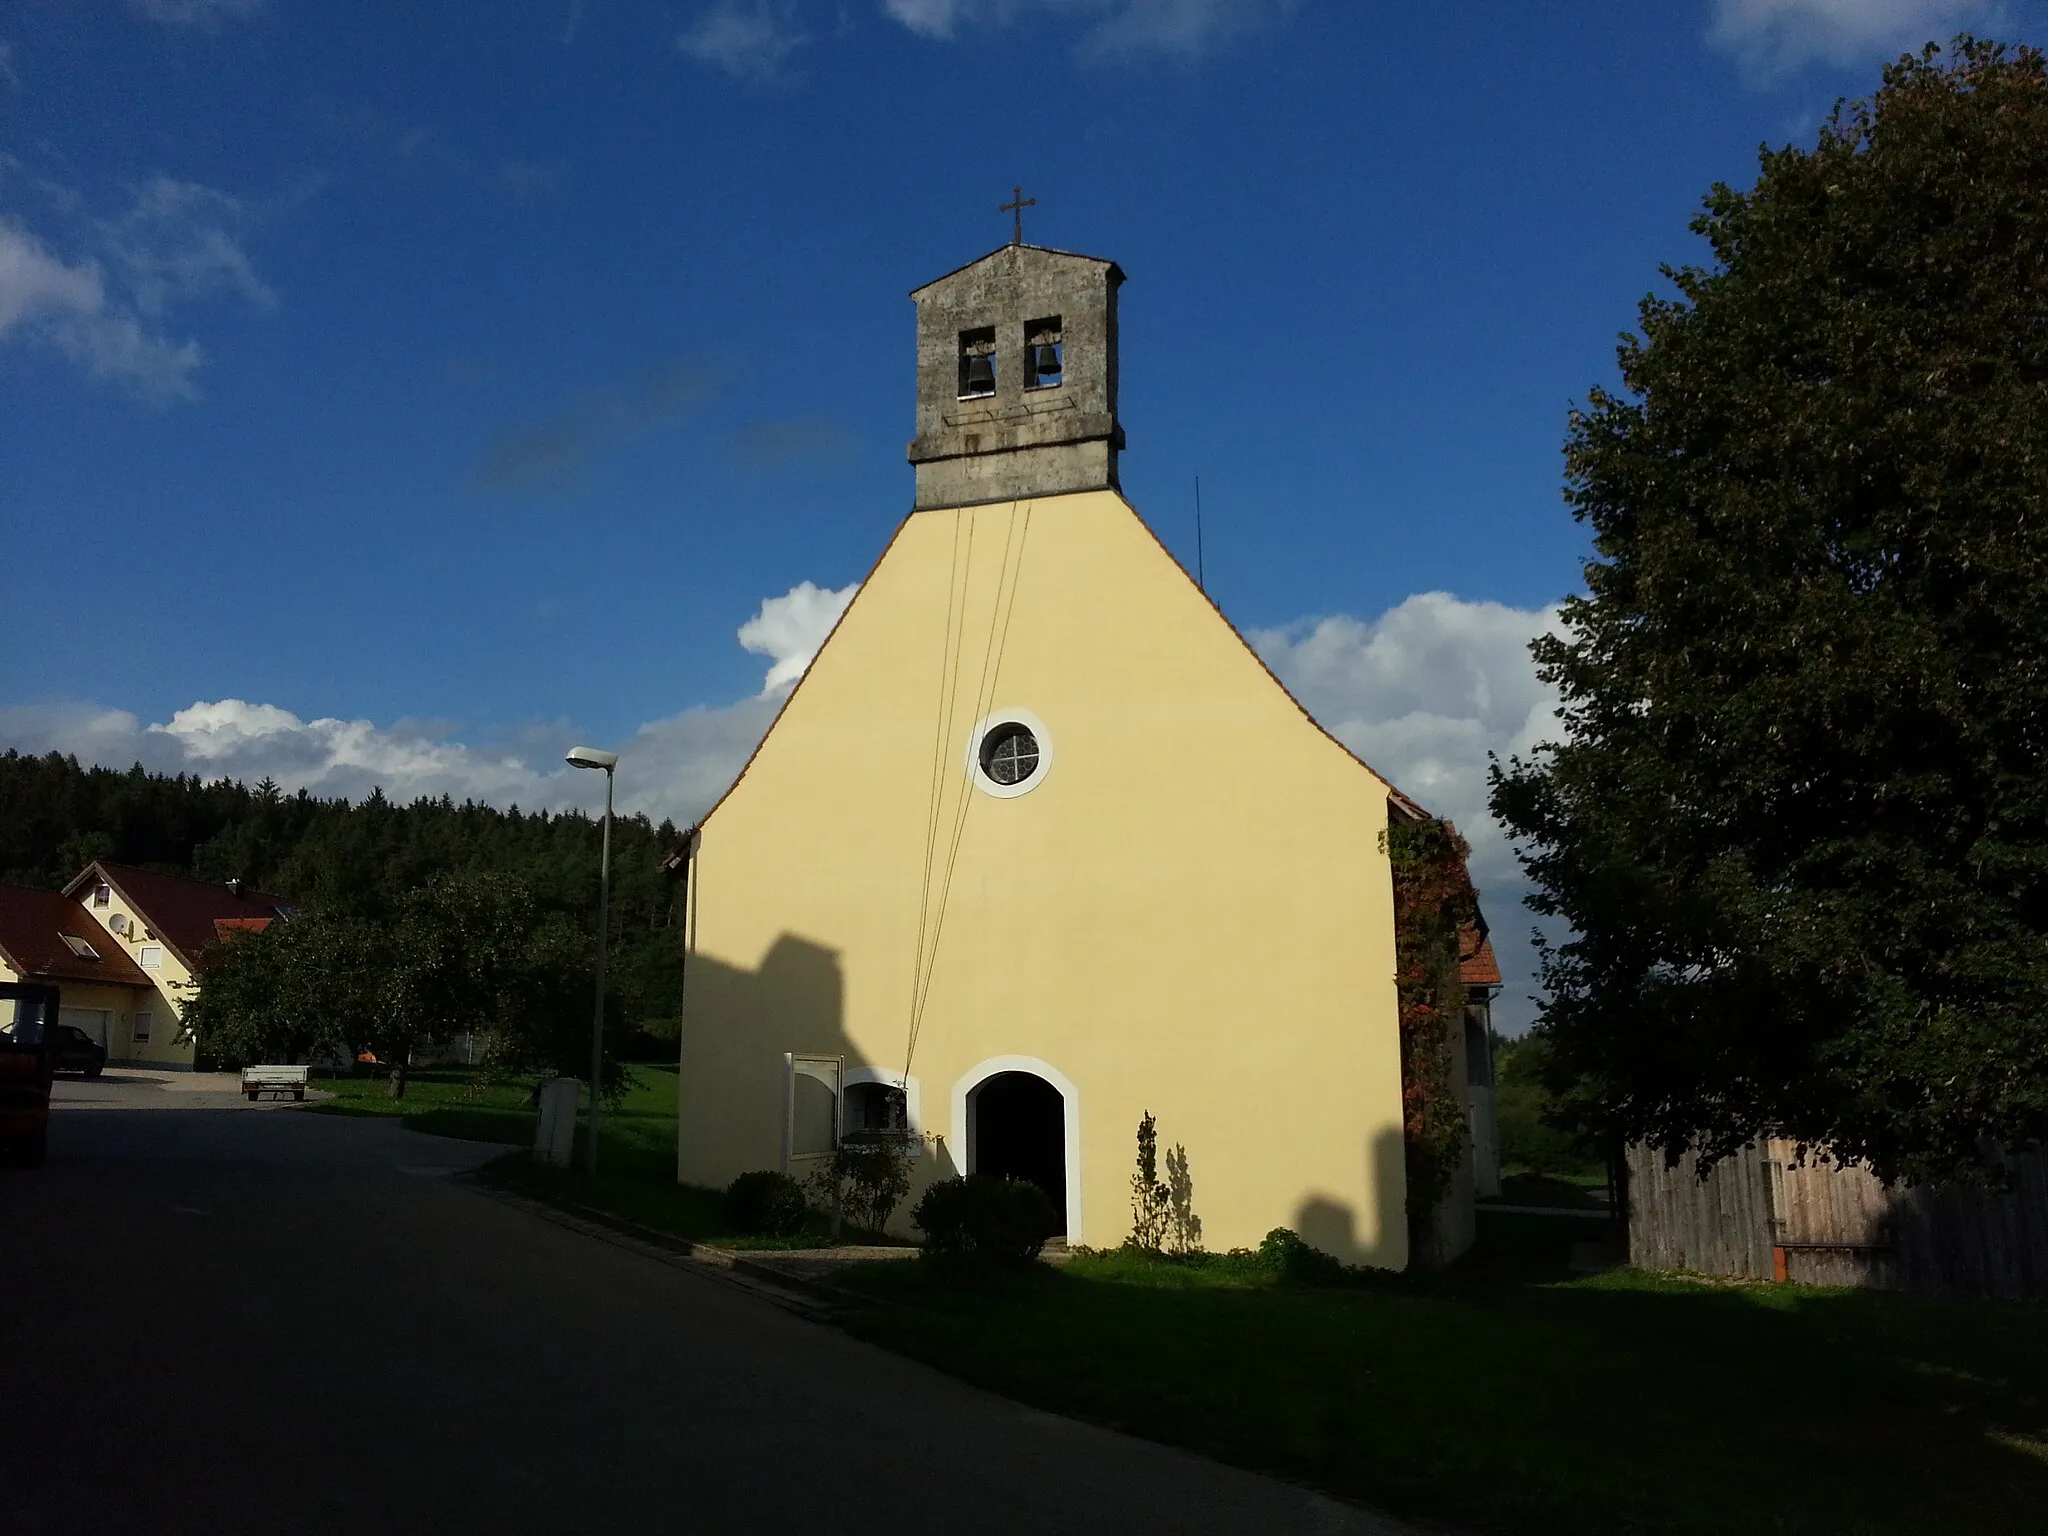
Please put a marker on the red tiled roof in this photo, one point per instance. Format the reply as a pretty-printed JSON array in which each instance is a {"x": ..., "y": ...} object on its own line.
[
  {"x": 1476, "y": 963},
  {"x": 32, "y": 928},
  {"x": 183, "y": 912}
]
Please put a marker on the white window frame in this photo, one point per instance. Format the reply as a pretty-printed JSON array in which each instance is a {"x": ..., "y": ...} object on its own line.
[
  {"x": 102, "y": 894},
  {"x": 829, "y": 1070},
  {"x": 142, "y": 957},
  {"x": 140, "y": 1026}
]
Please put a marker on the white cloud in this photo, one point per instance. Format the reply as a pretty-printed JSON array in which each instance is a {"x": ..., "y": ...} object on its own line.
[
  {"x": 115, "y": 348},
  {"x": 1424, "y": 693},
  {"x": 1114, "y": 28},
  {"x": 174, "y": 243},
  {"x": 197, "y": 13},
  {"x": 1184, "y": 27},
  {"x": 1772, "y": 37},
  {"x": 748, "y": 39},
  {"x": 930, "y": 18},
  {"x": 177, "y": 242},
  {"x": 34, "y": 283},
  {"x": 67, "y": 306},
  {"x": 789, "y": 629},
  {"x": 675, "y": 767}
]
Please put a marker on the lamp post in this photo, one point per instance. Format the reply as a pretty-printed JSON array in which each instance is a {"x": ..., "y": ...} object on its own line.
[{"x": 590, "y": 757}]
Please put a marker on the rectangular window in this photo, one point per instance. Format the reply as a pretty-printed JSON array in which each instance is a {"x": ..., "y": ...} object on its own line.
[
  {"x": 1045, "y": 353},
  {"x": 978, "y": 363},
  {"x": 150, "y": 957},
  {"x": 810, "y": 1119},
  {"x": 875, "y": 1112},
  {"x": 79, "y": 947},
  {"x": 141, "y": 1031},
  {"x": 101, "y": 895},
  {"x": 1478, "y": 1050}
]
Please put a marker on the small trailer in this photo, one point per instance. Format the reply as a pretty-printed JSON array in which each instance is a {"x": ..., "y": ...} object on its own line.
[{"x": 280, "y": 1080}]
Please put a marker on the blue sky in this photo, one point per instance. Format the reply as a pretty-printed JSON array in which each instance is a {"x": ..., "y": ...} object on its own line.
[{"x": 395, "y": 393}]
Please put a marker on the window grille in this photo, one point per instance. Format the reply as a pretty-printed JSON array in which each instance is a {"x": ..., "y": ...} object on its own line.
[{"x": 1009, "y": 754}]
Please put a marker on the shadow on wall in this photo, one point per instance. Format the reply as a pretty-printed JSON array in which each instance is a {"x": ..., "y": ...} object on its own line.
[
  {"x": 1334, "y": 1227},
  {"x": 737, "y": 1027}
]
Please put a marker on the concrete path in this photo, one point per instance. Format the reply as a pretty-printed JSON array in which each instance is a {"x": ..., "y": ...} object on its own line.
[{"x": 233, "y": 1318}]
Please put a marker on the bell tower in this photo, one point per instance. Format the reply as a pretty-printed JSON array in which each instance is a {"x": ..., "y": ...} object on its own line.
[{"x": 1016, "y": 379}]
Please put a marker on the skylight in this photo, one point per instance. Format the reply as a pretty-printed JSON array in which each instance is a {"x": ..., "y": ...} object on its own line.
[{"x": 79, "y": 947}]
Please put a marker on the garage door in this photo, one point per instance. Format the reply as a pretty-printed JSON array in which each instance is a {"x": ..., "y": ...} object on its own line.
[{"x": 97, "y": 1022}]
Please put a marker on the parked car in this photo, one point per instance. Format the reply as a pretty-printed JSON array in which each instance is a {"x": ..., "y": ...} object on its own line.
[{"x": 76, "y": 1051}]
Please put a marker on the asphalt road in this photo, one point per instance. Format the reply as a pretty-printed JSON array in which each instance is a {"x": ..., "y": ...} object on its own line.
[{"x": 222, "y": 1319}]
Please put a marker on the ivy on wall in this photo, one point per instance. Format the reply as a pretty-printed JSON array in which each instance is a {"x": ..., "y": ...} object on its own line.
[{"x": 1434, "y": 903}]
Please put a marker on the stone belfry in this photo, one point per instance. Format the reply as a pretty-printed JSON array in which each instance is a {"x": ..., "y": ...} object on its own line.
[{"x": 1016, "y": 379}]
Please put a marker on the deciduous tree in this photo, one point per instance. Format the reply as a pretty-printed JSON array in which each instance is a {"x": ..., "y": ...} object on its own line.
[{"x": 1798, "y": 820}]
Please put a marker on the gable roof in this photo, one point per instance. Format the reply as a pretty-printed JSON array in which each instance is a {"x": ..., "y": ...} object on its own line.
[
  {"x": 1477, "y": 966},
  {"x": 1397, "y": 802},
  {"x": 1116, "y": 273},
  {"x": 182, "y": 912},
  {"x": 33, "y": 925}
]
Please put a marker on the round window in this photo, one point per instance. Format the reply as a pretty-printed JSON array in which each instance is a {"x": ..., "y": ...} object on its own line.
[{"x": 1009, "y": 753}]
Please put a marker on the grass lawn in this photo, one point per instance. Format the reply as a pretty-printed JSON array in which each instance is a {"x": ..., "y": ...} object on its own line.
[
  {"x": 452, "y": 1101},
  {"x": 1510, "y": 1396},
  {"x": 1616, "y": 1403},
  {"x": 636, "y": 1177}
]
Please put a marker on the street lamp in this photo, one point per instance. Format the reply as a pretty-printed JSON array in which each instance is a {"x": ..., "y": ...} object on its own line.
[{"x": 590, "y": 757}]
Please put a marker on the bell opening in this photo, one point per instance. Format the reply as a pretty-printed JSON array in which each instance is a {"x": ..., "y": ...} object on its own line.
[
  {"x": 977, "y": 362},
  {"x": 1045, "y": 351}
]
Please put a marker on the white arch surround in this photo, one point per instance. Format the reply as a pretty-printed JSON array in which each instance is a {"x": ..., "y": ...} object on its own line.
[{"x": 963, "y": 1090}]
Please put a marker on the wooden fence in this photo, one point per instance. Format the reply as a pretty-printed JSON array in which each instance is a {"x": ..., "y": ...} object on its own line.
[{"x": 1761, "y": 1215}]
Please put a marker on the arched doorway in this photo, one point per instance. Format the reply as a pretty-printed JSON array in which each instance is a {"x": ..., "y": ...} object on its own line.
[{"x": 1018, "y": 1125}]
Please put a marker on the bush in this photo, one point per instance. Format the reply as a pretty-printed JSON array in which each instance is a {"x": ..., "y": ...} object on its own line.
[
  {"x": 1286, "y": 1253},
  {"x": 866, "y": 1180},
  {"x": 981, "y": 1222},
  {"x": 765, "y": 1204}
]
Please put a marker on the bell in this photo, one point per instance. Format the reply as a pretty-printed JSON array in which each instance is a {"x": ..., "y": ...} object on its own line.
[
  {"x": 1048, "y": 360},
  {"x": 981, "y": 376}
]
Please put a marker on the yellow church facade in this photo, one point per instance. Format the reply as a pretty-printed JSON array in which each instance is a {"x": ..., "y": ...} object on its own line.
[{"x": 1038, "y": 847}]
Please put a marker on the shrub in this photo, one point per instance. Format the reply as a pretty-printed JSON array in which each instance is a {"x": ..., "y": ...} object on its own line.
[
  {"x": 866, "y": 1180},
  {"x": 1149, "y": 1197},
  {"x": 1287, "y": 1254},
  {"x": 765, "y": 1204},
  {"x": 981, "y": 1222}
]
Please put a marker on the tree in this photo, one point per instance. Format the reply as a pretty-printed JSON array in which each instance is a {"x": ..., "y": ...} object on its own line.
[
  {"x": 465, "y": 953},
  {"x": 304, "y": 986},
  {"x": 1798, "y": 819}
]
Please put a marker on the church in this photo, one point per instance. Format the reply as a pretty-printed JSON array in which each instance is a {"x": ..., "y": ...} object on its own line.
[{"x": 1038, "y": 847}]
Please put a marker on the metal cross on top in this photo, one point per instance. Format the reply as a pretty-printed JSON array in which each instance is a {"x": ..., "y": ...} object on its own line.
[{"x": 1016, "y": 206}]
